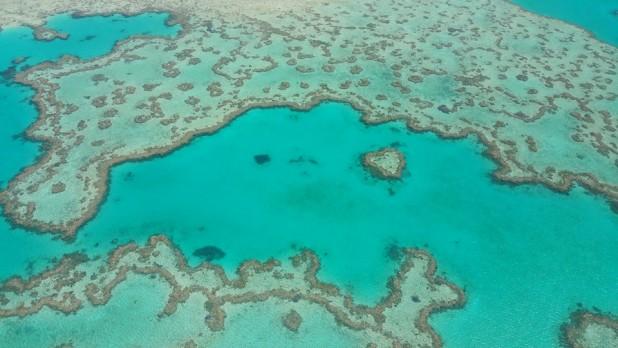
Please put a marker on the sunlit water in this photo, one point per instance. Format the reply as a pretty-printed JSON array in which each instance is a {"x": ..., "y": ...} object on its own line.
[{"x": 525, "y": 255}]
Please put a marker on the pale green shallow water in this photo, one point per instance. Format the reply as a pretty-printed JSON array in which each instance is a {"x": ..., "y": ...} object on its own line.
[{"x": 525, "y": 254}]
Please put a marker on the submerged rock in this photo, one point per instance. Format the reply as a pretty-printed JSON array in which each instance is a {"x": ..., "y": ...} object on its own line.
[
  {"x": 261, "y": 158},
  {"x": 394, "y": 252},
  {"x": 209, "y": 253}
]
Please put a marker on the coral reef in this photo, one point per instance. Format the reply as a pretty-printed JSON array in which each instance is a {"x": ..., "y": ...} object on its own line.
[
  {"x": 590, "y": 330},
  {"x": 399, "y": 319},
  {"x": 292, "y": 320},
  {"x": 539, "y": 93},
  {"x": 387, "y": 163}
]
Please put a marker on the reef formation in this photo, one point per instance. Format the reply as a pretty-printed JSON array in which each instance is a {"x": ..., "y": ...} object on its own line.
[
  {"x": 398, "y": 320},
  {"x": 541, "y": 94},
  {"x": 387, "y": 163},
  {"x": 590, "y": 330}
]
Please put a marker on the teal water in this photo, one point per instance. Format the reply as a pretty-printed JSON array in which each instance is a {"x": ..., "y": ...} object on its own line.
[
  {"x": 600, "y": 17},
  {"x": 525, "y": 255}
]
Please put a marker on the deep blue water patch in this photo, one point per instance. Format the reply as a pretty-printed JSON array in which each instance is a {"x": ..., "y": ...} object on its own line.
[{"x": 600, "y": 17}]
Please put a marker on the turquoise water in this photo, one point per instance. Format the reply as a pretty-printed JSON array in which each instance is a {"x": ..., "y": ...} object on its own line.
[
  {"x": 520, "y": 252},
  {"x": 597, "y": 16},
  {"x": 525, "y": 255},
  {"x": 86, "y": 39}
]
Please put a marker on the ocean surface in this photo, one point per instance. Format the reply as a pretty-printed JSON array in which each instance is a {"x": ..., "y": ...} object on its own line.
[
  {"x": 525, "y": 255},
  {"x": 599, "y": 17}
]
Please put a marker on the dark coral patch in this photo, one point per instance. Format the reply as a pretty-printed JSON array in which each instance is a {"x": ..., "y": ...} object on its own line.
[
  {"x": 292, "y": 320},
  {"x": 129, "y": 176},
  {"x": 261, "y": 158},
  {"x": 209, "y": 253},
  {"x": 394, "y": 252}
]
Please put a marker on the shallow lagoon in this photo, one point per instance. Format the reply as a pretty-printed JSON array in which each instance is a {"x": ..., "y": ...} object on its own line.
[
  {"x": 534, "y": 253},
  {"x": 525, "y": 264}
]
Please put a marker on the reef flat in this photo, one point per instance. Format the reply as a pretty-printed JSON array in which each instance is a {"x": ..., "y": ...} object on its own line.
[
  {"x": 387, "y": 163},
  {"x": 81, "y": 39},
  {"x": 399, "y": 320},
  {"x": 539, "y": 93},
  {"x": 591, "y": 330}
]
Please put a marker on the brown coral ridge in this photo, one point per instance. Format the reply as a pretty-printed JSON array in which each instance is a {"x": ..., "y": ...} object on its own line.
[
  {"x": 572, "y": 333},
  {"x": 415, "y": 291}
]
